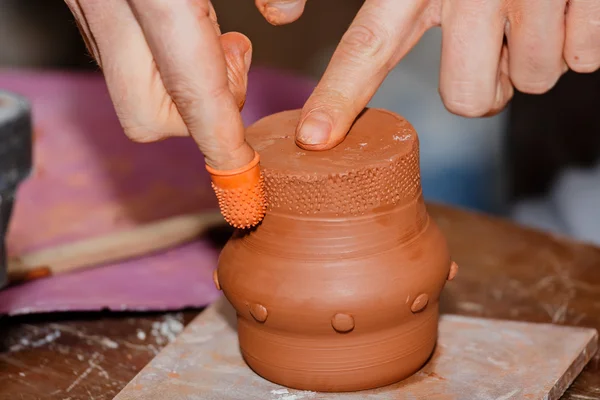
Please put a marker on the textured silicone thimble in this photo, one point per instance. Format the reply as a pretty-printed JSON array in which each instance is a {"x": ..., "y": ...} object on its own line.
[{"x": 240, "y": 194}]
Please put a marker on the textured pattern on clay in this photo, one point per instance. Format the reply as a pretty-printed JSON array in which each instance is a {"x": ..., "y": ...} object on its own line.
[
  {"x": 244, "y": 207},
  {"x": 353, "y": 193}
]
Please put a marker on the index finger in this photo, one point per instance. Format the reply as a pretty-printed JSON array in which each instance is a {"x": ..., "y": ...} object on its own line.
[
  {"x": 380, "y": 35},
  {"x": 192, "y": 66}
]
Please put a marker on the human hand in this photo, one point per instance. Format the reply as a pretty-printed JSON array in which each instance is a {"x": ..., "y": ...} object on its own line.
[
  {"x": 488, "y": 47},
  {"x": 170, "y": 72}
]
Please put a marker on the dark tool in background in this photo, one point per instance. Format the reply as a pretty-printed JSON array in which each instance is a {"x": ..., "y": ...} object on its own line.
[
  {"x": 16, "y": 142},
  {"x": 15, "y": 161}
]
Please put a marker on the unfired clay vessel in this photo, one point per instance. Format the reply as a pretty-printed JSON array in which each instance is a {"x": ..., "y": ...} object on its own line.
[{"x": 338, "y": 288}]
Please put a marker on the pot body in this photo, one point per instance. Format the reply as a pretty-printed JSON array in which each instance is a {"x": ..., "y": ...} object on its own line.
[{"x": 337, "y": 304}]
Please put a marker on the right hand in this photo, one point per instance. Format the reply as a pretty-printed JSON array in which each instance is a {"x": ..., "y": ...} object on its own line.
[
  {"x": 489, "y": 47},
  {"x": 170, "y": 72}
]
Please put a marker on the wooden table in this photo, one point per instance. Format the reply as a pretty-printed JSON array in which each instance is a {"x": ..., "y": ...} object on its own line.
[{"x": 505, "y": 272}]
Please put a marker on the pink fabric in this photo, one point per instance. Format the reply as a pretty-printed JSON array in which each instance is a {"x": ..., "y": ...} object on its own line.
[{"x": 89, "y": 179}]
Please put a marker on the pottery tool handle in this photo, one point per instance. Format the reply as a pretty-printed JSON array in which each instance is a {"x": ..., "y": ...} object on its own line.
[{"x": 112, "y": 247}]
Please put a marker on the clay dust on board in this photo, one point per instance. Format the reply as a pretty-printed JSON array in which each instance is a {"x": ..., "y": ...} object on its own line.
[
  {"x": 284, "y": 394},
  {"x": 25, "y": 343},
  {"x": 167, "y": 330}
]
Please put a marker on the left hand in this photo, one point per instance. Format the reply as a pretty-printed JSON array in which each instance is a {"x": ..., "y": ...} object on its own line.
[{"x": 170, "y": 72}]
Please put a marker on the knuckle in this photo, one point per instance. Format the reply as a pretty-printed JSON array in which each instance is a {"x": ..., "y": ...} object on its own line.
[
  {"x": 432, "y": 15},
  {"x": 142, "y": 134},
  {"x": 188, "y": 98},
  {"x": 329, "y": 100},
  {"x": 185, "y": 97},
  {"x": 167, "y": 13},
  {"x": 161, "y": 9},
  {"x": 364, "y": 41},
  {"x": 145, "y": 129},
  {"x": 330, "y": 96}
]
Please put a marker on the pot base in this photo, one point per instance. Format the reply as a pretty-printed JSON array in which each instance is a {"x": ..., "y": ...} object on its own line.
[{"x": 339, "y": 362}]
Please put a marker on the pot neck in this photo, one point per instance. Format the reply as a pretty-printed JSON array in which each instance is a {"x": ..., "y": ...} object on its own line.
[{"x": 302, "y": 236}]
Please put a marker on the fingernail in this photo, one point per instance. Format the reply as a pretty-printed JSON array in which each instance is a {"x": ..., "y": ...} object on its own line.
[
  {"x": 315, "y": 129},
  {"x": 285, "y": 5}
]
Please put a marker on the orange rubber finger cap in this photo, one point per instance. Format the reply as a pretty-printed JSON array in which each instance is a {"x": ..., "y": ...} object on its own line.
[{"x": 241, "y": 194}]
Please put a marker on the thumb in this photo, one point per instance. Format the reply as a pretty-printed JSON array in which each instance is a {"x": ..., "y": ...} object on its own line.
[{"x": 238, "y": 57}]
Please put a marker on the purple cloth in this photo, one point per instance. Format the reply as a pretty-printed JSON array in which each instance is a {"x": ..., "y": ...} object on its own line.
[{"x": 90, "y": 179}]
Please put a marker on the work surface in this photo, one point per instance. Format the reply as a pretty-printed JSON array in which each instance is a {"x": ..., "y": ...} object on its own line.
[
  {"x": 505, "y": 272},
  {"x": 475, "y": 358}
]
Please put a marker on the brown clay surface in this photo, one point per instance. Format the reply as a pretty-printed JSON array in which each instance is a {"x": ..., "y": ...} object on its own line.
[
  {"x": 377, "y": 137},
  {"x": 506, "y": 272},
  {"x": 338, "y": 289},
  {"x": 377, "y": 166}
]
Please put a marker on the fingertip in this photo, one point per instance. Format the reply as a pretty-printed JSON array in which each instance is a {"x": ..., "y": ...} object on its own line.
[
  {"x": 469, "y": 106},
  {"x": 237, "y": 46},
  {"x": 336, "y": 133},
  {"x": 237, "y": 49},
  {"x": 314, "y": 131},
  {"x": 235, "y": 42},
  {"x": 281, "y": 12},
  {"x": 536, "y": 86},
  {"x": 316, "y": 147}
]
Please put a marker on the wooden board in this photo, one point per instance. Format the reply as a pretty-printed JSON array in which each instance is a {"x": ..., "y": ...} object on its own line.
[
  {"x": 506, "y": 272},
  {"x": 476, "y": 358}
]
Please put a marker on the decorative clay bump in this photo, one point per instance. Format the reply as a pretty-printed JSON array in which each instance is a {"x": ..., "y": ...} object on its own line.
[
  {"x": 453, "y": 271},
  {"x": 345, "y": 238},
  {"x": 420, "y": 303},
  {"x": 216, "y": 279},
  {"x": 342, "y": 323},
  {"x": 259, "y": 312}
]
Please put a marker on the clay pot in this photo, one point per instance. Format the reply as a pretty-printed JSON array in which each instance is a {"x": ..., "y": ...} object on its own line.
[{"x": 338, "y": 288}]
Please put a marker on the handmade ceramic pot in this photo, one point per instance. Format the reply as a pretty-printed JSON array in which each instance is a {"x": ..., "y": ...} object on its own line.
[{"x": 338, "y": 288}]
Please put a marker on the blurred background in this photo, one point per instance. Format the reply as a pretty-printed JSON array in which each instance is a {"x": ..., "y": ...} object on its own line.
[{"x": 535, "y": 163}]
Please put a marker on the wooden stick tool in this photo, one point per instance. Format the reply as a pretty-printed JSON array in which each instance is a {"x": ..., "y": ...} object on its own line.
[{"x": 112, "y": 247}]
